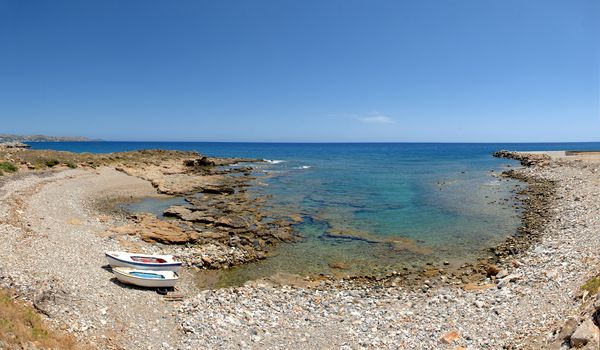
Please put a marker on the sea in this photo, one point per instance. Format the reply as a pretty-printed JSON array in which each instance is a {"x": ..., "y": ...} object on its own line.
[{"x": 368, "y": 208}]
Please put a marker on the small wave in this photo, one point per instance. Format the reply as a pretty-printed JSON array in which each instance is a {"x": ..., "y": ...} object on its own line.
[
  {"x": 274, "y": 161},
  {"x": 303, "y": 167}
]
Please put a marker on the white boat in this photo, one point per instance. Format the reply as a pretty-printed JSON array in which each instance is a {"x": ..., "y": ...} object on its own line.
[
  {"x": 143, "y": 261},
  {"x": 146, "y": 278}
]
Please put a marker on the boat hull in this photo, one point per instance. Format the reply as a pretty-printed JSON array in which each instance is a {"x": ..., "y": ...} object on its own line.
[
  {"x": 124, "y": 276},
  {"x": 117, "y": 259}
]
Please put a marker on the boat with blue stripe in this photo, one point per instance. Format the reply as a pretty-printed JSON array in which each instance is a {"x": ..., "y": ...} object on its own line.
[{"x": 146, "y": 278}]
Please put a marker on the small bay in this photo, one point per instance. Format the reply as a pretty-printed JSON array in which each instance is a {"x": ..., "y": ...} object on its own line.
[{"x": 367, "y": 208}]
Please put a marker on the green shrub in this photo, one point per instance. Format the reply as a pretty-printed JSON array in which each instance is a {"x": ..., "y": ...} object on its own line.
[
  {"x": 51, "y": 162},
  {"x": 72, "y": 165},
  {"x": 8, "y": 167}
]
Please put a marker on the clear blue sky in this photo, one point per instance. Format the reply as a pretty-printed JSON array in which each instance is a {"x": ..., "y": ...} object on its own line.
[{"x": 420, "y": 70}]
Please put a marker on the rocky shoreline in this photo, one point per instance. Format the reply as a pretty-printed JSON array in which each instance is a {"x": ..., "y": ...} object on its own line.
[
  {"x": 526, "y": 293},
  {"x": 532, "y": 299},
  {"x": 536, "y": 201},
  {"x": 222, "y": 224},
  {"x": 220, "y": 213}
]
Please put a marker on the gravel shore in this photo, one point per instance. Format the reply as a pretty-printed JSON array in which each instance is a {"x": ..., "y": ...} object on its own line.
[
  {"x": 537, "y": 290},
  {"x": 51, "y": 233},
  {"x": 49, "y": 236}
]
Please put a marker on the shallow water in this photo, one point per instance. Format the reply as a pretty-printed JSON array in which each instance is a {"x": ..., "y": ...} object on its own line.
[
  {"x": 153, "y": 205},
  {"x": 371, "y": 208}
]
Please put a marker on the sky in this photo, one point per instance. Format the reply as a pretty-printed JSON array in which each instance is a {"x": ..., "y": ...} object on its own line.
[{"x": 302, "y": 71}]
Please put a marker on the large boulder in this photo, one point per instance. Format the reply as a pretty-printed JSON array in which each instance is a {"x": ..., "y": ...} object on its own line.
[
  {"x": 202, "y": 162},
  {"x": 586, "y": 334}
]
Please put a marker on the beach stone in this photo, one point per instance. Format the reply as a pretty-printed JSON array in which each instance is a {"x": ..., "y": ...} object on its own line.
[
  {"x": 586, "y": 333},
  {"x": 450, "y": 337},
  {"x": 567, "y": 329},
  {"x": 503, "y": 273},
  {"x": 480, "y": 304},
  {"x": 492, "y": 270},
  {"x": 597, "y": 303}
]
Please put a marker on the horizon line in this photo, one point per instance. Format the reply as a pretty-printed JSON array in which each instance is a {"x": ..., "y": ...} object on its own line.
[{"x": 320, "y": 142}]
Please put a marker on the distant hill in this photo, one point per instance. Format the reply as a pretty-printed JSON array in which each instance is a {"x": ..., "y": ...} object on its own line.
[{"x": 42, "y": 138}]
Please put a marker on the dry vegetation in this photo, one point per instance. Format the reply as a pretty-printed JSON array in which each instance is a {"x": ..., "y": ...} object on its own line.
[
  {"x": 22, "y": 328},
  {"x": 13, "y": 160}
]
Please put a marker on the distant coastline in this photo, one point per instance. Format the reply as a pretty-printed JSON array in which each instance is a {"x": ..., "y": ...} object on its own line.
[{"x": 43, "y": 138}]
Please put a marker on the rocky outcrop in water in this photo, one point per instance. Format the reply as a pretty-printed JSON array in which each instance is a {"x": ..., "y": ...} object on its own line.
[
  {"x": 526, "y": 159},
  {"x": 14, "y": 144},
  {"x": 220, "y": 211},
  {"x": 181, "y": 174},
  {"x": 232, "y": 220}
]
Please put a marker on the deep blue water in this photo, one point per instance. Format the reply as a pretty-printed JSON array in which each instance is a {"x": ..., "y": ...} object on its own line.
[
  {"x": 285, "y": 150},
  {"x": 395, "y": 204}
]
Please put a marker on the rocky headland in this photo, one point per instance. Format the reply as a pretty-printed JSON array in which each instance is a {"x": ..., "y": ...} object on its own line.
[
  {"x": 42, "y": 138},
  {"x": 538, "y": 290}
]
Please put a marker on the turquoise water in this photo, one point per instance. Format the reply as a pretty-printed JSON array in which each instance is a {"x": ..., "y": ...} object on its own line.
[{"x": 371, "y": 208}]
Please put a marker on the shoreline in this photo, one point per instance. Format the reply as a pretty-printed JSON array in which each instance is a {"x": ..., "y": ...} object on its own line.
[
  {"x": 375, "y": 312},
  {"x": 530, "y": 304},
  {"x": 535, "y": 201}
]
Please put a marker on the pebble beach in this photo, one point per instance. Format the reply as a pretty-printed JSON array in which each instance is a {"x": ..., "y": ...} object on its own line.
[{"x": 54, "y": 236}]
